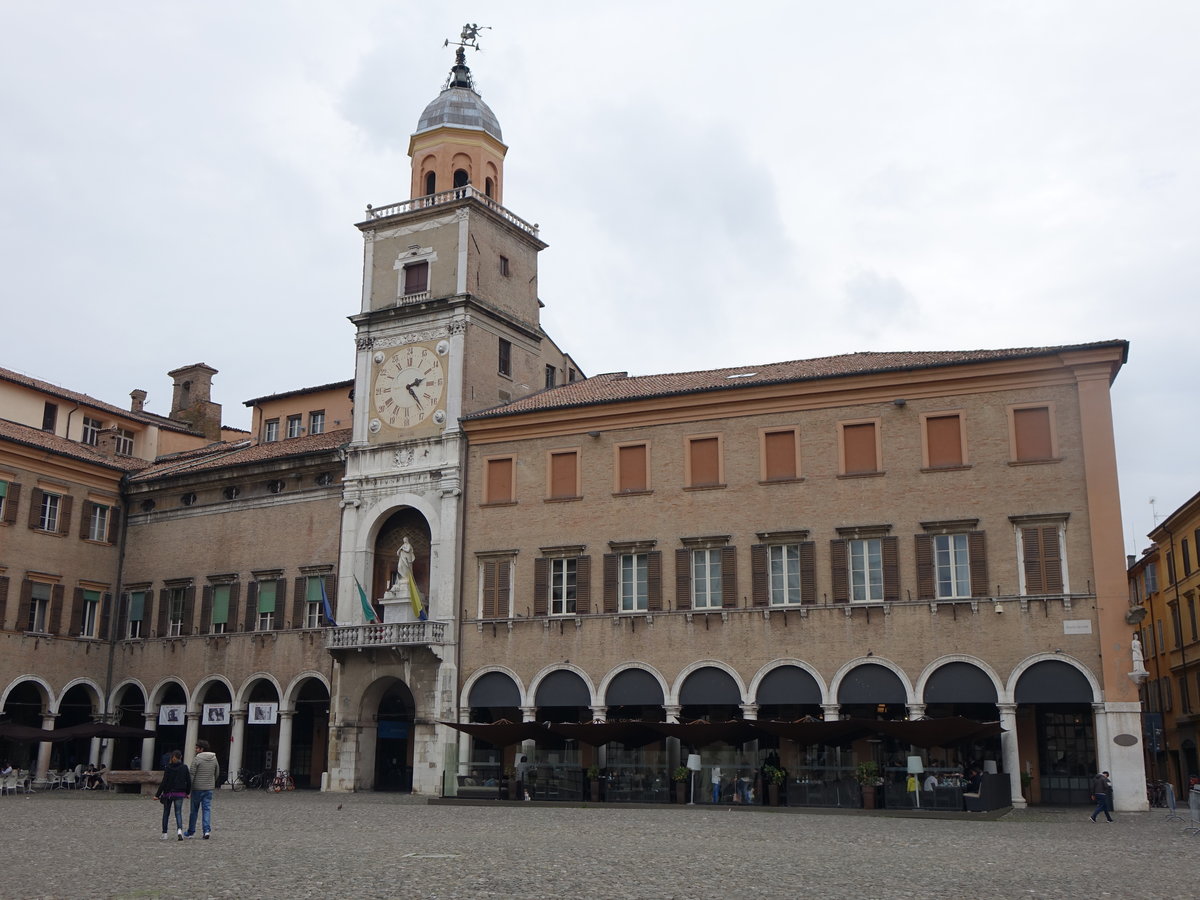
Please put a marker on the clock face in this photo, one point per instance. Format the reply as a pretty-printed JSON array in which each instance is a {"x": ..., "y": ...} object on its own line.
[{"x": 408, "y": 386}]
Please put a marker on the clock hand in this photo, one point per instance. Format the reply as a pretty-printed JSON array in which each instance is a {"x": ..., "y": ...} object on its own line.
[{"x": 413, "y": 394}]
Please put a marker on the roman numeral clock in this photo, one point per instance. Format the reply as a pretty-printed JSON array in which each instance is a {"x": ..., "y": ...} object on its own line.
[{"x": 408, "y": 387}]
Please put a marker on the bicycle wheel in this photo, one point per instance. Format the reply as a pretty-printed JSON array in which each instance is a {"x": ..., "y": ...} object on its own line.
[
  {"x": 290, "y": 783},
  {"x": 237, "y": 784},
  {"x": 277, "y": 784},
  {"x": 255, "y": 781}
]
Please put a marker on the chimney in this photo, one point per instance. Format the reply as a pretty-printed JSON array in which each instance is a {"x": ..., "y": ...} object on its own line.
[
  {"x": 106, "y": 441},
  {"x": 138, "y": 398},
  {"x": 190, "y": 401}
]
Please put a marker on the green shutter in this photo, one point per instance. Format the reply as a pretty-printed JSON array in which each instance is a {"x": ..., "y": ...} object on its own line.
[
  {"x": 3, "y": 489},
  {"x": 312, "y": 591},
  {"x": 220, "y": 605},
  {"x": 91, "y": 596},
  {"x": 266, "y": 596},
  {"x": 137, "y": 606}
]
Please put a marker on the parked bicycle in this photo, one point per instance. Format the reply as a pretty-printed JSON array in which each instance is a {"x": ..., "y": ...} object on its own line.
[
  {"x": 282, "y": 781},
  {"x": 238, "y": 781}
]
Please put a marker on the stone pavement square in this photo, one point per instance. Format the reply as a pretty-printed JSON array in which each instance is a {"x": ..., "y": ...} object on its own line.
[{"x": 303, "y": 844}]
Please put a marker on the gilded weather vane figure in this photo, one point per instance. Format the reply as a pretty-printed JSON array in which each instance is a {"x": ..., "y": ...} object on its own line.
[{"x": 469, "y": 36}]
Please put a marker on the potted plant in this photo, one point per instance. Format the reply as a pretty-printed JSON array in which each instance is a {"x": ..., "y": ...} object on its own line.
[
  {"x": 510, "y": 777},
  {"x": 774, "y": 777},
  {"x": 593, "y": 774},
  {"x": 680, "y": 776},
  {"x": 867, "y": 776}
]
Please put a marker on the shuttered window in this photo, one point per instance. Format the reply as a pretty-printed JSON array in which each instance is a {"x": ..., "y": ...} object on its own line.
[
  {"x": 1031, "y": 433},
  {"x": 564, "y": 472},
  {"x": 865, "y": 570},
  {"x": 10, "y": 496},
  {"x": 1041, "y": 555},
  {"x": 783, "y": 574},
  {"x": 951, "y": 566},
  {"x": 220, "y": 608},
  {"x": 416, "y": 278},
  {"x": 498, "y": 476},
  {"x": 943, "y": 440},
  {"x": 704, "y": 457},
  {"x": 779, "y": 455},
  {"x": 631, "y": 469},
  {"x": 495, "y": 578},
  {"x": 859, "y": 449}
]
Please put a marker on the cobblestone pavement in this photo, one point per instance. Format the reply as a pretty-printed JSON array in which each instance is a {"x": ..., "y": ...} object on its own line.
[{"x": 303, "y": 844}]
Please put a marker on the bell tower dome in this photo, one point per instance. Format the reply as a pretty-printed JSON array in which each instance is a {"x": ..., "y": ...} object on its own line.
[{"x": 458, "y": 141}]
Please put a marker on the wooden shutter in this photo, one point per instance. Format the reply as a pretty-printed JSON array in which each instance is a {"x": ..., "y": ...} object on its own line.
[
  {"x": 705, "y": 461},
  {"x": 11, "y": 503},
  {"x": 251, "y": 608},
  {"x": 541, "y": 586},
  {"x": 808, "y": 572},
  {"x": 839, "y": 570},
  {"x": 56, "y": 609},
  {"x": 299, "y": 602},
  {"x": 189, "y": 603},
  {"x": 563, "y": 469},
  {"x": 123, "y": 616},
  {"x": 499, "y": 481},
  {"x": 890, "y": 547},
  {"x": 504, "y": 588},
  {"x": 977, "y": 555},
  {"x": 206, "y": 603},
  {"x": 926, "y": 588},
  {"x": 281, "y": 587},
  {"x": 114, "y": 524},
  {"x": 779, "y": 455},
  {"x": 106, "y": 602},
  {"x": 488, "y": 571},
  {"x": 85, "y": 518},
  {"x": 416, "y": 278},
  {"x": 729, "y": 597},
  {"x": 760, "y": 588},
  {"x": 75, "y": 616},
  {"x": 858, "y": 444},
  {"x": 631, "y": 468},
  {"x": 3, "y": 601},
  {"x": 64, "y": 514},
  {"x": 609, "y": 579},
  {"x": 683, "y": 578},
  {"x": 583, "y": 585},
  {"x": 235, "y": 596},
  {"x": 1043, "y": 560},
  {"x": 27, "y": 604},
  {"x": 1031, "y": 436},
  {"x": 163, "y": 603},
  {"x": 654, "y": 593},
  {"x": 943, "y": 440},
  {"x": 35, "y": 508}
]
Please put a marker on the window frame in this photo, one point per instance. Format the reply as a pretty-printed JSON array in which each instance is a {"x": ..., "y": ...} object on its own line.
[
  {"x": 633, "y": 593},
  {"x": 294, "y": 424},
  {"x": 1052, "y": 434},
  {"x": 176, "y": 600},
  {"x": 764, "y": 434},
  {"x": 859, "y": 562},
  {"x": 490, "y": 471},
  {"x": 563, "y": 585},
  {"x": 91, "y": 613},
  {"x": 316, "y": 422},
  {"x": 619, "y": 468},
  {"x": 39, "y": 613},
  {"x": 135, "y": 627},
  {"x": 90, "y": 431},
  {"x": 1048, "y": 574},
  {"x": 504, "y": 364},
  {"x": 99, "y": 521},
  {"x": 876, "y": 424},
  {"x": 689, "y": 478},
  {"x": 50, "y": 514},
  {"x": 496, "y": 584},
  {"x": 271, "y": 431},
  {"x": 709, "y": 559},
  {"x": 552, "y": 474},
  {"x": 927, "y": 462},
  {"x": 124, "y": 446}
]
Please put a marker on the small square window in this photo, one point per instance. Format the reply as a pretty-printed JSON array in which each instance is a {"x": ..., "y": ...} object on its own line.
[
  {"x": 271, "y": 430},
  {"x": 293, "y": 426},
  {"x": 504, "y": 270},
  {"x": 316, "y": 422},
  {"x": 91, "y": 430}
]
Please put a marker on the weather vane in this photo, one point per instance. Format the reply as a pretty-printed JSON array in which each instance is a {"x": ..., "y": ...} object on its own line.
[{"x": 469, "y": 37}]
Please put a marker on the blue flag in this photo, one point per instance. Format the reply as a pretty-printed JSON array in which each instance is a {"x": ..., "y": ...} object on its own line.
[{"x": 325, "y": 603}]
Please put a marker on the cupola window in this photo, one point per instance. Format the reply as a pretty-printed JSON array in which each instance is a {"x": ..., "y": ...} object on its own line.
[
  {"x": 461, "y": 178},
  {"x": 430, "y": 183}
]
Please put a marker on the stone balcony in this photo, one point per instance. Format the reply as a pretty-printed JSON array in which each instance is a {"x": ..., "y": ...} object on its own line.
[{"x": 385, "y": 635}]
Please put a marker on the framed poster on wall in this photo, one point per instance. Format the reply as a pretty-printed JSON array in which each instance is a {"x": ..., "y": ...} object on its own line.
[
  {"x": 172, "y": 714},
  {"x": 262, "y": 714}
]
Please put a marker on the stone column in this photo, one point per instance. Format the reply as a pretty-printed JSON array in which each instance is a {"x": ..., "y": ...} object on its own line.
[
  {"x": 285, "y": 740},
  {"x": 148, "y": 760},
  {"x": 1099, "y": 714},
  {"x": 750, "y": 712},
  {"x": 600, "y": 713},
  {"x": 190, "y": 736},
  {"x": 43, "y": 757},
  {"x": 916, "y": 710},
  {"x": 831, "y": 711},
  {"x": 1010, "y": 752},
  {"x": 238, "y": 743},
  {"x": 102, "y": 750},
  {"x": 528, "y": 714},
  {"x": 672, "y": 710}
]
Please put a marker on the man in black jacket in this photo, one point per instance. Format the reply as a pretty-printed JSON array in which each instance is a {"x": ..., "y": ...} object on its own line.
[{"x": 1101, "y": 788}]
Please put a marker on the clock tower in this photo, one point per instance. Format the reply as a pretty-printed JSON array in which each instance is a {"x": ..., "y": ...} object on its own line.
[{"x": 448, "y": 324}]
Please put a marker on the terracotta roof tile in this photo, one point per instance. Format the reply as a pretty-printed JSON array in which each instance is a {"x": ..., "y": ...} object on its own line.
[
  {"x": 236, "y": 453},
  {"x": 54, "y": 390},
  {"x": 619, "y": 386},
  {"x": 44, "y": 440}
]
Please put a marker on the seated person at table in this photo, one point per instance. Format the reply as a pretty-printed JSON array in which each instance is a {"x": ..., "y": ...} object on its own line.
[
  {"x": 93, "y": 778},
  {"x": 931, "y": 782},
  {"x": 974, "y": 780}
]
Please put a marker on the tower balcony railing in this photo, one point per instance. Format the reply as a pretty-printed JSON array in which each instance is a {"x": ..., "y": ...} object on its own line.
[
  {"x": 451, "y": 196},
  {"x": 385, "y": 634}
]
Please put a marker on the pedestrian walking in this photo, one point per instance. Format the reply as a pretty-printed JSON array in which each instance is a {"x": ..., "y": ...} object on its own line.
[
  {"x": 204, "y": 770},
  {"x": 176, "y": 784},
  {"x": 1101, "y": 789}
]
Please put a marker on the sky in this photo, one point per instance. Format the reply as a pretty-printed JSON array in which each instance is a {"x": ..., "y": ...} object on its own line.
[{"x": 718, "y": 185}]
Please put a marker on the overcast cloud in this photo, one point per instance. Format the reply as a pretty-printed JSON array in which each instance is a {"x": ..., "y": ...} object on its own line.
[{"x": 179, "y": 183}]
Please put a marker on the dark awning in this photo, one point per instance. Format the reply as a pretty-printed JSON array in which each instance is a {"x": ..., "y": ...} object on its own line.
[
  {"x": 701, "y": 734},
  {"x": 634, "y": 687},
  {"x": 563, "y": 688},
  {"x": 22, "y": 733},
  {"x": 807, "y": 732},
  {"x": 502, "y": 733},
  {"x": 788, "y": 685},
  {"x": 494, "y": 689},
  {"x": 631, "y": 734},
  {"x": 871, "y": 683},
  {"x": 100, "y": 730},
  {"x": 709, "y": 686},
  {"x": 1052, "y": 681},
  {"x": 938, "y": 732},
  {"x": 959, "y": 682}
]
